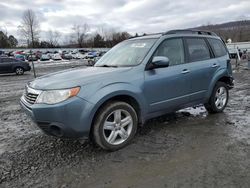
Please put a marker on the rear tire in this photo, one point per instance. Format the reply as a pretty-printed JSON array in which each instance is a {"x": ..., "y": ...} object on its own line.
[
  {"x": 115, "y": 125},
  {"x": 19, "y": 71},
  {"x": 219, "y": 98}
]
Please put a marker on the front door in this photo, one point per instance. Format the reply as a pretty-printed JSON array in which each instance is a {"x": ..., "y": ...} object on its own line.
[{"x": 168, "y": 88}]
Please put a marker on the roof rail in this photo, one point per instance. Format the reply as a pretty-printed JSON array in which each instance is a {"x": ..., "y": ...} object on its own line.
[
  {"x": 190, "y": 31},
  {"x": 148, "y": 34}
]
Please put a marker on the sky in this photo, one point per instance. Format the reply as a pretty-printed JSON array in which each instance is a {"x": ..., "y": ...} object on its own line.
[{"x": 141, "y": 16}]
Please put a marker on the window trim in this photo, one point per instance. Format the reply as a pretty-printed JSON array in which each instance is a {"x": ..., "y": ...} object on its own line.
[
  {"x": 184, "y": 50},
  {"x": 223, "y": 44},
  {"x": 206, "y": 42},
  {"x": 212, "y": 54}
]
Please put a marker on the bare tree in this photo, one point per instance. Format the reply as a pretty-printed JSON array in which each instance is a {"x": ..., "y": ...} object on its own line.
[
  {"x": 80, "y": 33},
  {"x": 29, "y": 27},
  {"x": 106, "y": 32},
  {"x": 54, "y": 37}
]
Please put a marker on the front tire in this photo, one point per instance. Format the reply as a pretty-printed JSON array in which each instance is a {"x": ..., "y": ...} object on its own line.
[
  {"x": 219, "y": 98},
  {"x": 115, "y": 125}
]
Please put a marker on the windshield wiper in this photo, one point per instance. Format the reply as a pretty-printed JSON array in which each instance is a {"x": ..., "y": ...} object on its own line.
[{"x": 107, "y": 66}]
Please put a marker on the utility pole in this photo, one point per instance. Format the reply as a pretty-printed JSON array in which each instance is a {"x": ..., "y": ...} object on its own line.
[{"x": 34, "y": 71}]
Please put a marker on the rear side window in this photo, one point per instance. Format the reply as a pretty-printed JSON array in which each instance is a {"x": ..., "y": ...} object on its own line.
[
  {"x": 197, "y": 49},
  {"x": 218, "y": 47},
  {"x": 6, "y": 60}
]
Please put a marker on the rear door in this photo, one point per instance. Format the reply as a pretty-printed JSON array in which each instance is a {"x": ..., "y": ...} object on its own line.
[
  {"x": 202, "y": 66},
  {"x": 220, "y": 52},
  {"x": 169, "y": 87}
]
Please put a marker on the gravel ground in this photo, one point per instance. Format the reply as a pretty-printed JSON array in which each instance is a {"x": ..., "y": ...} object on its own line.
[{"x": 189, "y": 148}]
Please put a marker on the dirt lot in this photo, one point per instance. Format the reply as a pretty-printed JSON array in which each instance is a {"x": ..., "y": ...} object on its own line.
[{"x": 189, "y": 148}]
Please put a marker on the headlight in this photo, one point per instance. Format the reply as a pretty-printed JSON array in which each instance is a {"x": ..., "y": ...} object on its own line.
[{"x": 56, "y": 96}]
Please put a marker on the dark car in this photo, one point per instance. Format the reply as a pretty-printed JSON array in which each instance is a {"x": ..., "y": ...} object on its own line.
[{"x": 11, "y": 65}]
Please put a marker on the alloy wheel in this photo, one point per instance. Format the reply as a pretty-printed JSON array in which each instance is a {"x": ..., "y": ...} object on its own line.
[
  {"x": 221, "y": 97},
  {"x": 117, "y": 127}
]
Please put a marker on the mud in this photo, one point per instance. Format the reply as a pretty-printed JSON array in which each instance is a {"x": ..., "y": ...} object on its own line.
[{"x": 189, "y": 148}]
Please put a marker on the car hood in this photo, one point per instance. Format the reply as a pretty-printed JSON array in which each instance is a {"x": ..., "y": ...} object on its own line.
[{"x": 76, "y": 77}]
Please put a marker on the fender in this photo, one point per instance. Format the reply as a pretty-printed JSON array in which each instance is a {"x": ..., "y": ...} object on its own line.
[
  {"x": 218, "y": 75},
  {"x": 112, "y": 90}
]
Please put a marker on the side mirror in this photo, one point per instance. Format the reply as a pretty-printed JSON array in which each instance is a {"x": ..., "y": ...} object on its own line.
[{"x": 158, "y": 62}]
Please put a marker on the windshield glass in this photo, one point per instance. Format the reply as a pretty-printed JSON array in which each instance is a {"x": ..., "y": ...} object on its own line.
[{"x": 127, "y": 53}]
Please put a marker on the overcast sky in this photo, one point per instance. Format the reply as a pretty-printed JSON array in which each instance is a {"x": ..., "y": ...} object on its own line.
[{"x": 124, "y": 15}]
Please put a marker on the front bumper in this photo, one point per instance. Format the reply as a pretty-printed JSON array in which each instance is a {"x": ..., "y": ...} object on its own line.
[{"x": 70, "y": 119}]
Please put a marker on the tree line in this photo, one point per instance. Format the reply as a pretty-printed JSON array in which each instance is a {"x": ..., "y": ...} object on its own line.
[
  {"x": 29, "y": 33},
  {"x": 7, "y": 41}
]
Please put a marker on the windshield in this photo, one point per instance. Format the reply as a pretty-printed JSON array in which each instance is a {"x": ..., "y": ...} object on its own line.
[{"x": 127, "y": 53}]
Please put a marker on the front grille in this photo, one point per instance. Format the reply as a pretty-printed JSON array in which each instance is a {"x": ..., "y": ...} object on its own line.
[{"x": 30, "y": 97}]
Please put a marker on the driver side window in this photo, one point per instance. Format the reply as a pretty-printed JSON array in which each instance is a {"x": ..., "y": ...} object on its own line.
[{"x": 172, "y": 49}]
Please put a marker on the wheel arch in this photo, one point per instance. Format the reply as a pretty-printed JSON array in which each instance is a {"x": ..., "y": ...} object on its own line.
[
  {"x": 225, "y": 79},
  {"x": 131, "y": 100},
  {"x": 17, "y": 66},
  {"x": 221, "y": 76}
]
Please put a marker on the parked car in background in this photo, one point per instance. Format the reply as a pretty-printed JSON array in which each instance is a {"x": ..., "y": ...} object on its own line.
[
  {"x": 75, "y": 55},
  {"x": 11, "y": 65},
  {"x": 83, "y": 51},
  {"x": 32, "y": 58},
  {"x": 91, "y": 55},
  {"x": 67, "y": 56},
  {"x": 20, "y": 57},
  {"x": 18, "y": 52},
  {"x": 91, "y": 62},
  {"x": 56, "y": 56},
  {"x": 78, "y": 55},
  {"x": 45, "y": 57},
  {"x": 38, "y": 54},
  {"x": 3, "y": 54}
]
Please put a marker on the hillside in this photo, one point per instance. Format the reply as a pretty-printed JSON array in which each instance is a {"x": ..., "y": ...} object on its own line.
[{"x": 238, "y": 31}]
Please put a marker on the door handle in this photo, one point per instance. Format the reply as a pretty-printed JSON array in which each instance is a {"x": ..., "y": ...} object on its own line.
[
  {"x": 215, "y": 65},
  {"x": 185, "y": 71}
]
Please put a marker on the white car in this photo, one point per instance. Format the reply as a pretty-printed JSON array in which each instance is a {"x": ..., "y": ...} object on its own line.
[
  {"x": 56, "y": 57},
  {"x": 45, "y": 57},
  {"x": 77, "y": 55}
]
